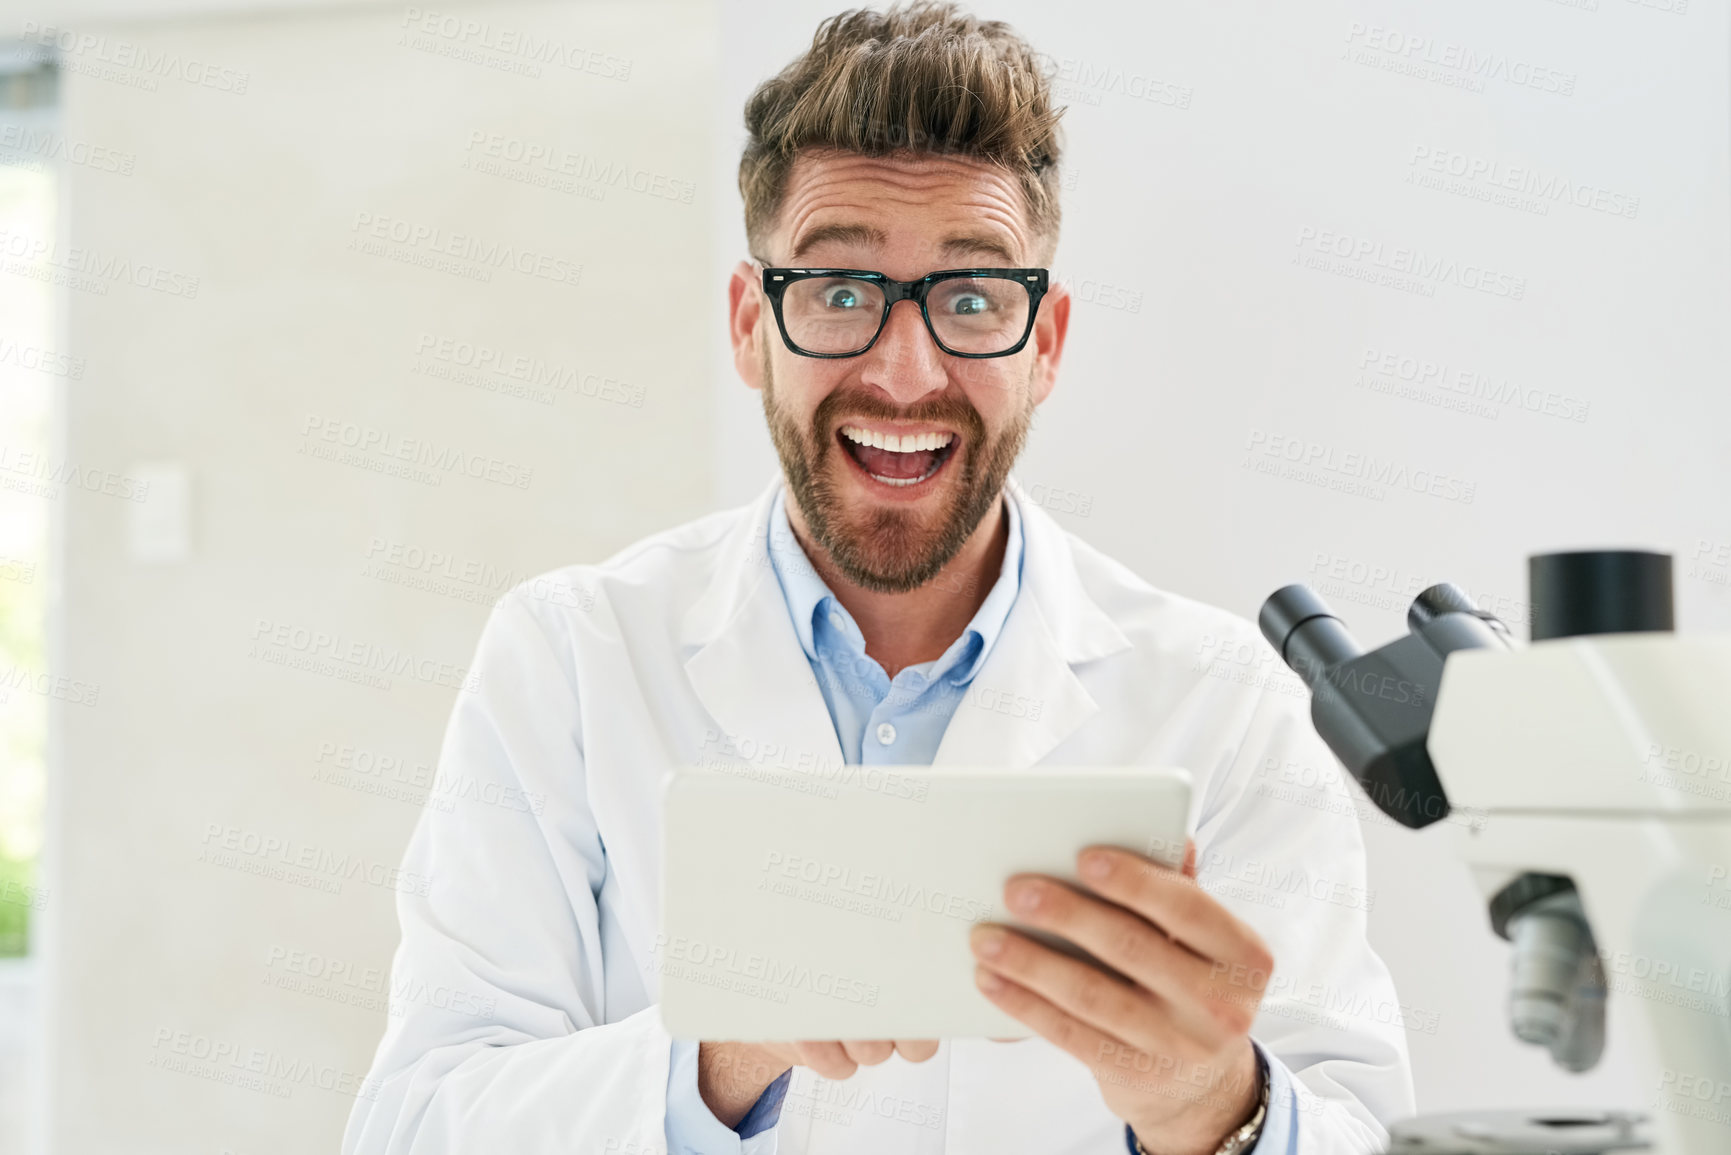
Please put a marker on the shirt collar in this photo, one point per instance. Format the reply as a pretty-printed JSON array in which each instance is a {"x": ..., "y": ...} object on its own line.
[{"x": 807, "y": 596}]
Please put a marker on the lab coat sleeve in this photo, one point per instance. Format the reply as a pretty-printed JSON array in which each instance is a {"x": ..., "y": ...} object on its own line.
[
  {"x": 1279, "y": 843},
  {"x": 497, "y": 1039}
]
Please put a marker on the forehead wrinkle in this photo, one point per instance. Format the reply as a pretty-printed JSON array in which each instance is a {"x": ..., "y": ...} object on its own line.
[{"x": 857, "y": 189}]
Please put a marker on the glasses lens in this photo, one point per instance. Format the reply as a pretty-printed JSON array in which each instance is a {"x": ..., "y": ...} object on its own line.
[
  {"x": 832, "y": 314},
  {"x": 978, "y": 314}
]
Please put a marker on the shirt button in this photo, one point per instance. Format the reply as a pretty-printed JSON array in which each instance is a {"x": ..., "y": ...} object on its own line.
[
  {"x": 836, "y": 620},
  {"x": 886, "y": 734}
]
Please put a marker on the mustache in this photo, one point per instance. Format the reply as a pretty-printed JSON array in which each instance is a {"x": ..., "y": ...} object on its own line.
[{"x": 950, "y": 409}]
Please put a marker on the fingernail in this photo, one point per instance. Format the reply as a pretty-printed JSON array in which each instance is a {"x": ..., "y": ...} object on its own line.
[
  {"x": 989, "y": 943},
  {"x": 987, "y": 981},
  {"x": 1096, "y": 865},
  {"x": 1025, "y": 897}
]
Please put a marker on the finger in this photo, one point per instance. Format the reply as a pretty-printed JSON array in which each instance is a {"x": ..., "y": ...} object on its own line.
[
  {"x": 826, "y": 1057},
  {"x": 1112, "y": 1006},
  {"x": 1172, "y": 902},
  {"x": 868, "y": 1052},
  {"x": 1087, "y": 1043},
  {"x": 1189, "y": 868},
  {"x": 1117, "y": 937},
  {"x": 916, "y": 1050}
]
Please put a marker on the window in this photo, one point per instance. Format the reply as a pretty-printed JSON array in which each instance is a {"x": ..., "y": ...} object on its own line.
[{"x": 31, "y": 373}]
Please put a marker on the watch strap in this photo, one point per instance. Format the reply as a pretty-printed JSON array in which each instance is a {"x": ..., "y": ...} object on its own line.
[{"x": 1246, "y": 1136}]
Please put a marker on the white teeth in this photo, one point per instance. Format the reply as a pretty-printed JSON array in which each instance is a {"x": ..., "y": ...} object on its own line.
[
  {"x": 900, "y": 481},
  {"x": 904, "y": 443}
]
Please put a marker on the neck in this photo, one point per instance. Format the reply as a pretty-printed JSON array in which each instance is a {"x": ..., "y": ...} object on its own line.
[{"x": 905, "y": 629}]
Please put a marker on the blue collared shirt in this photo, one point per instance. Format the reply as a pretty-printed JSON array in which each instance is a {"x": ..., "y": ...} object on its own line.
[
  {"x": 879, "y": 720},
  {"x": 883, "y": 721}
]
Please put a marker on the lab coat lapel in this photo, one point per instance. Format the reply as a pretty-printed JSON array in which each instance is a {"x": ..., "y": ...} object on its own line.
[
  {"x": 1026, "y": 697},
  {"x": 1022, "y": 703},
  {"x": 748, "y": 669}
]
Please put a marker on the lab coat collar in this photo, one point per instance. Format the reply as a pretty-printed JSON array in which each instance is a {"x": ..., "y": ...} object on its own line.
[
  {"x": 749, "y": 670},
  {"x": 809, "y": 597}
]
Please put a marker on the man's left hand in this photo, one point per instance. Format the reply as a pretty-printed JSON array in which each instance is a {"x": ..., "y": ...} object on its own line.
[{"x": 1168, "y": 1036}]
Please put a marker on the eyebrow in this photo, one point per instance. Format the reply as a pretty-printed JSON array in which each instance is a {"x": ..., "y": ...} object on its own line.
[
  {"x": 953, "y": 247},
  {"x": 966, "y": 245},
  {"x": 839, "y": 234}
]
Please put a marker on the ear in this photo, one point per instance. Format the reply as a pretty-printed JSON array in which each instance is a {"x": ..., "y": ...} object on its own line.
[
  {"x": 1051, "y": 325},
  {"x": 745, "y": 318}
]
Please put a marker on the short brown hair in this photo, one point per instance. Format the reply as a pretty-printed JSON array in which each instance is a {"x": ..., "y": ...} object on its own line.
[{"x": 922, "y": 77}]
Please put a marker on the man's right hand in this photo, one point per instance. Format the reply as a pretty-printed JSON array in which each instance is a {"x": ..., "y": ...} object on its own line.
[{"x": 731, "y": 1076}]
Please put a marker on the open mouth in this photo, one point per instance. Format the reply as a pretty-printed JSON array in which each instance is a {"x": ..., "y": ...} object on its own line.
[{"x": 897, "y": 459}]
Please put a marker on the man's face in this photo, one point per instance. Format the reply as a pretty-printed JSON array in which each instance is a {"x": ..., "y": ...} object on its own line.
[{"x": 893, "y": 457}]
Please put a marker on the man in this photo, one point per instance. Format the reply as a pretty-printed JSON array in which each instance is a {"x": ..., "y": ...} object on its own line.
[{"x": 880, "y": 607}]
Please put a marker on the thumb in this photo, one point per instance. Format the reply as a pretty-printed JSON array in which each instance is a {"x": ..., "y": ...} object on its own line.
[{"x": 1189, "y": 867}]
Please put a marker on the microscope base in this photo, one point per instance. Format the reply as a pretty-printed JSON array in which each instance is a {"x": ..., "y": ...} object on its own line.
[{"x": 1563, "y": 1132}]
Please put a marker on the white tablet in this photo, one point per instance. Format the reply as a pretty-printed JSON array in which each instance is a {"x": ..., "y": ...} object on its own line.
[{"x": 799, "y": 906}]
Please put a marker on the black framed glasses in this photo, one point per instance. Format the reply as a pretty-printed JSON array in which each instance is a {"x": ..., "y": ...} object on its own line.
[{"x": 968, "y": 312}]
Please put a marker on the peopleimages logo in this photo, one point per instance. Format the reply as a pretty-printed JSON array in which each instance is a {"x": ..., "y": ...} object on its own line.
[
  {"x": 42, "y": 476},
  {"x": 385, "y": 447},
  {"x": 418, "y": 243},
  {"x": 1366, "y": 259},
  {"x": 84, "y": 51},
  {"x": 1526, "y": 180},
  {"x": 899, "y": 894},
  {"x": 1465, "y": 383},
  {"x": 1429, "y": 58},
  {"x": 757, "y": 975},
  {"x": 1083, "y": 80},
  {"x": 540, "y": 379},
  {"x": 467, "y": 38},
  {"x": 1303, "y": 459},
  {"x": 273, "y": 641},
  {"x": 580, "y": 167},
  {"x": 20, "y": 142},
  {"x": 41, "y": 360},
  {"x": 89, "y": 270}
]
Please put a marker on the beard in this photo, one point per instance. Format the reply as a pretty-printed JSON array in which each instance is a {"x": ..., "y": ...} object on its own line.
[{"x": 891, "y": 549}]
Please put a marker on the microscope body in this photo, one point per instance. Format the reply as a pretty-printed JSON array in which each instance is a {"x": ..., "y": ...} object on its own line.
[
  {"x": 1607, "y": 760},
  {"x": 1597, "y": 765}
]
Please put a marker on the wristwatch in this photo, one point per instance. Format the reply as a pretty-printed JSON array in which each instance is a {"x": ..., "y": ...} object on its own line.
[{"x": 1245, "y": 1137}]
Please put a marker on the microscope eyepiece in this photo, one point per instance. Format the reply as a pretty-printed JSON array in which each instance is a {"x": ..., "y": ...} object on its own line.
[
  {"x": 1442, "y": 598},
  {"x": 1305, "y": 632}
]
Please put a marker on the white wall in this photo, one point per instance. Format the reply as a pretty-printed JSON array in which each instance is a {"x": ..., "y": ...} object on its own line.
[
  {"x": 1204, "y": 140},
  {"x": 201, "y": 735}
]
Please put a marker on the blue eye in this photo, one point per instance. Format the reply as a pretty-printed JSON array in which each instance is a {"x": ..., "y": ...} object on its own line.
[
  {"x": 971, "y": 304},
  {"x": 841, "y": 297}
]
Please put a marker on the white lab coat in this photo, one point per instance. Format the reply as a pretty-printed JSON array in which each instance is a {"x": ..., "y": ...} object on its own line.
[{"x": 526, "y": 976}]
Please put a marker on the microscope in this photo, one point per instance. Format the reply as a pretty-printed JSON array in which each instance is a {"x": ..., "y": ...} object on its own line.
[{"x": 1599, "y": 760}]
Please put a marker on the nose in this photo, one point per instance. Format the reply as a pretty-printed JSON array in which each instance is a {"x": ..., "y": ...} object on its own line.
[{"x": 905, "y": 363}]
